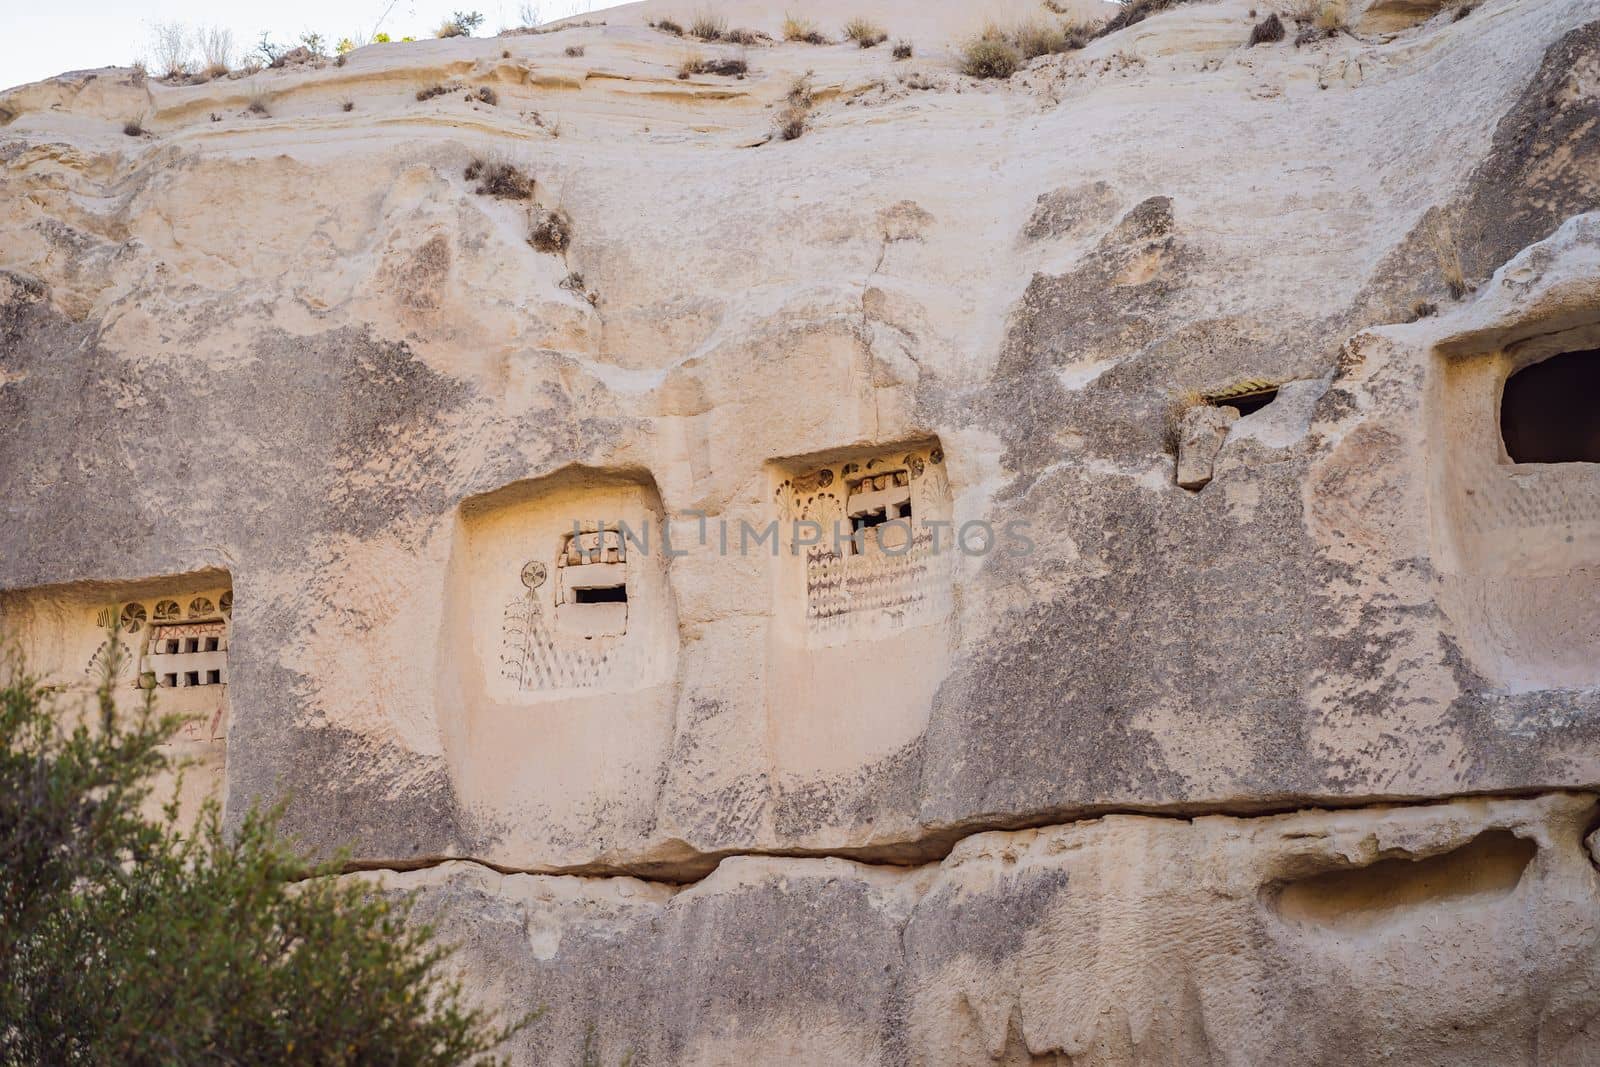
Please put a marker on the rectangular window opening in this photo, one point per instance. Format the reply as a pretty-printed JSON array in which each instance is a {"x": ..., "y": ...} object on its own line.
[
  {"x": 211, "y": 644},
  {"x": 169, "y": 681},
  {"x": 868, "y": 520},
  {"x": 213, "y": 677},
  {"x": 191, "y": 677},
  {"x": 191, "y": 644},
  {"x": 612, "y": 594},
  {"x": 172, "y": 646}
]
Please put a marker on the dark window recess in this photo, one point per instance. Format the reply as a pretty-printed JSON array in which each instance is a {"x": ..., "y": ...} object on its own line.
[
  {"x": 213, "y": 677},
  {"x": 170, "y": 681},
  {"x": 869, "y": 520},
  {"x": 614, "y": 594},
  {"x": 211, "y": 644},
  {"x": 191, "y": 677},
  {"x": 191, "y": 644},
  {"x": 1249, "y": 405},
  {"x": 1247, "y": 398},
  {"x": 1550, "y": 411},
  {"x": 172, "y": 646}
]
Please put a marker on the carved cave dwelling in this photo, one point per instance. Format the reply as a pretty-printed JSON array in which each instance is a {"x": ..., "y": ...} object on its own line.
[{"x": 853, "y": 561}]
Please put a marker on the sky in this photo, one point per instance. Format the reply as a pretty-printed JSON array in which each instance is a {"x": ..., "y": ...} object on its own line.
[{"x": 38, "y": 39}]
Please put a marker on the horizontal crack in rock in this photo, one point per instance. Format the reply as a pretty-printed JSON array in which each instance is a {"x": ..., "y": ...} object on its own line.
[{"x": 935, "y": 846}]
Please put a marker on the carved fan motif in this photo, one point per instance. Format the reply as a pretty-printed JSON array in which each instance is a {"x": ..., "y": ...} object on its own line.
[
  {"x": 201, "y": 605},
  {"x": 132, "y": 618},
  {"x": 167, "y": 610},
  {"x": 226, "y": 603}
]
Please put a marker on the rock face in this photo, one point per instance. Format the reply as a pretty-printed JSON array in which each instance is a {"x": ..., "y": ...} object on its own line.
[{"x": 754, "y": 578}]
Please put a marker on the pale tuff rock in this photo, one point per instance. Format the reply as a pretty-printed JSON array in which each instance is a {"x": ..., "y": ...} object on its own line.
[
  {"x": 1117, "y": 941},
  {"x": 1200, "y": 437},
  {"x": 891, "y": 403}
]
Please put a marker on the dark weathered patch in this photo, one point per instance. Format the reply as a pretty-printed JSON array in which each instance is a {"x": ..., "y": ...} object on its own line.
[
  {"x": 341, "y": 790},
  {"x": 1169, "y": 614},
  {"x": 1108, "y": 308},
  {"x": 1520, "y": 740},
  {"x": 883, "y": 792},
  {"x": 1543, "y": 167},
  {"x": 651, "y": 983},
  {"x": 992, "y": 925},
  {"x": 1069, "y": 211}
]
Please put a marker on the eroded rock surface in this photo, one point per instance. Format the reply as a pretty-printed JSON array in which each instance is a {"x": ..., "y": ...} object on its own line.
[{"x": 314, "y": 381}]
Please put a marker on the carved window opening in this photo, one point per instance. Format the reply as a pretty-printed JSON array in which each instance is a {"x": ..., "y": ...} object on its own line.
[
  {"x": 592, "y": 585},
  {"x": 1550, "y": 411},
  {"x": 1246, "y": 397},
  {"x": 875, "y": 501},
  {"x": 183, "y": 655}
]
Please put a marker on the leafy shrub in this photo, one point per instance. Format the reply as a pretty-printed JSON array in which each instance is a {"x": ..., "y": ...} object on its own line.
[
  {"x": 460, "y": 24},
  {"x": 124, "y": 941}
]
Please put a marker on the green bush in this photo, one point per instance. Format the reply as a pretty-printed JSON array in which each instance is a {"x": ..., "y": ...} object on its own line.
[{"x": 124, "y": 942}]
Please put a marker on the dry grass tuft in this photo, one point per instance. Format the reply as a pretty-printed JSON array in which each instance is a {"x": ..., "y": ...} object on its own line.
[
  {"x": 549, "y": 231},
  {"x": 708, "y": 26},
  {"x": 727, "y": 66},
  {"x": 259, "y": 103},
  {"x": 988, "y": 57},
  {"x": 795, "y": 117},
  {"x": 133, "y": 127},
  {"x": 1036, "y": 38},
  {"x": 902, "y": 49},
  {"x": 500, "y": 178},
  {"x": 1267, "y": 31},
  {"x": 745, "y": 37},
  {"x": 170, "y": 45},
  {"x": 803, "y": 30},
  {"x": 574, "y": 50},
  {"x": 792, "y": 123},
  {"x": 1333, "y": 16},
  {"x": 668, "y": 26},
  {"x": 434, "y": 90},
  {"x": 864, "y": 32},
  {"x": 1447, "y": 253}
]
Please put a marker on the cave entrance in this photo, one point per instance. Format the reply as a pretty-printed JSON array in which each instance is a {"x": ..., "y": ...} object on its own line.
[{"x": 1550, "y": 411}]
